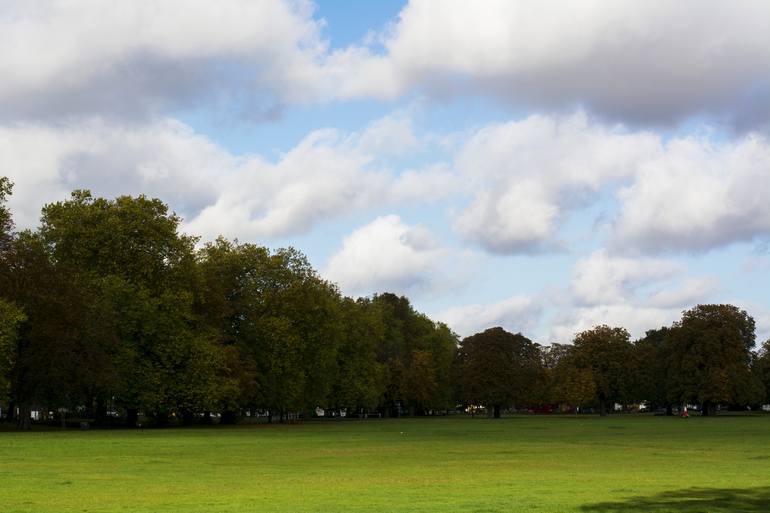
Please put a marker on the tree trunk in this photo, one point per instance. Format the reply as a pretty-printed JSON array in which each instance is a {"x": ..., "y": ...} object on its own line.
[
  {"x": 229, "y": 417},
  {"x": 669, "y": 410},
  {"x": 63, "y": 418},
  {"x": 101, "y": 417},
  {"x": 497, "y": 411},
  {"x": 24, "y": 421},
  {"x": 132, "y": 417},
  {"x": 602, "y": 409},
  {"x": 188, "y": 418},
  {"x": 708, "y": 409}
]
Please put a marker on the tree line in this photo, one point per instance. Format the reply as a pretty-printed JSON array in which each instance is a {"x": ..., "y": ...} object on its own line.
[{"x": 108, "y": 311}]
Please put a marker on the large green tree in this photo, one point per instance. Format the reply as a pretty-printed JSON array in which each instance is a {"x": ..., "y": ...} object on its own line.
[
  {"x": 498, "y": 369},
  {"x": 360, "y": 379},
  {"x": 63, "y": 347},
  {"x": 762, "y": 369},
  {"x": 130, "y": 249},
  {"x": 10, "y": 319},
  {"x": 606, "y": 353},
  {"x": 417, "y": 357},
  {"x": 281, "y": 318},
  {"x": 652, "y": 376},
  {"x": 566, "y": 383},
  {"x": 711, "y": 357}
]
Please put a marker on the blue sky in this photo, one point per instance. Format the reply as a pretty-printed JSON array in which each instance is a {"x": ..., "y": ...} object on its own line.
[{"x": 543, "y": 166}]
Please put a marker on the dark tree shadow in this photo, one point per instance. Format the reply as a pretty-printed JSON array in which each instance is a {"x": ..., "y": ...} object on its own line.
[{"x": 692, "y": 500}]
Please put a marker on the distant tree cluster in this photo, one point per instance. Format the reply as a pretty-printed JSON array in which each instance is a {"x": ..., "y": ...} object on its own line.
[
  {"x": 705, "y": 359},
  {"x": 107, "y": 312}
]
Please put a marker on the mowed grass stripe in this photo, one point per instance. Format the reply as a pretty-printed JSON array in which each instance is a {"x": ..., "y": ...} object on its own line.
[{"x": 443, "y": 464}]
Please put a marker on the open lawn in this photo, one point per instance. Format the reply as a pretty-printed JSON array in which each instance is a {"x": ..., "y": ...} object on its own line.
[{"x": 544, "y": 464}]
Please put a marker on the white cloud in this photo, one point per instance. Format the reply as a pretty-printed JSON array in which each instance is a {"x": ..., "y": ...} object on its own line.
[
  {"x": 131, "y": 59},
  {"x": 638, "y": 294},
  {"x": 637, "y": 319},
  {"x": 387, "y": 255},
  {"x": 691, "y": 194},
  {"x": 320, "y": 178},
  {"x": 389, "y": 135},
  {"x": 516, "y": 314},
  {"x": 164, "y": 159},
  {"x": 326, "y": 175},
  {"x": 654, "y": 61},
  {"x": 689, "y": 293},
  {"x": 603, "y": 279},
  {"x": 697, "y": 195},
  {"x": 528, "y": 175},
  {"x": 429, "y": 184}
]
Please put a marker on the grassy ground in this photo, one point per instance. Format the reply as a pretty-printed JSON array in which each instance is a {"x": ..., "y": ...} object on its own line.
[{"x": 543, "y": 464}]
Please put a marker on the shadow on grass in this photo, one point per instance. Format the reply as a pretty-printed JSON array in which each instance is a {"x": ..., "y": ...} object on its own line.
[{"x": 692, "y": 500}]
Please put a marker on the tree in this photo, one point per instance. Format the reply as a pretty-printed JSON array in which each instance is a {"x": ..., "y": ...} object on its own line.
[
  {"x": 360, "y": 377},
  {"x": 134, "y": 238},
  {"x": 711, "y": 357},
  {"x": 283, "y": 319},
  {"x": 10, "y": 319},
  {"x": 651, "y": 360},
  {"x": 65, "y": 348},
  {"x": 566, "y": 383},
  {"x": 605, "y": 352},
  {"x": 6, "y": 222},
  {"x": 130, "y": 251},
  {"x": 10, "y": 315},
  {"x": 762, "y": 369},
  {"x": 416, "y": 354},
  {"x": 497, "y": 369}
]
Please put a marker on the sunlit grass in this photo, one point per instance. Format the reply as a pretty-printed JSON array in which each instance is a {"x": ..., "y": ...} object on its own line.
[{"x": 550, "y": 464}]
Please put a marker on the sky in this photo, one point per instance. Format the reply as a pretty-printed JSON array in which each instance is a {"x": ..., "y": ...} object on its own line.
[{"x": 541, "y": 166}]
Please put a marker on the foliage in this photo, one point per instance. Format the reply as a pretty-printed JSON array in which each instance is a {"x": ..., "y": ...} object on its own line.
[
  {"x": 761, "y": 369},
  {"x": 108, "y": 307},
  {"x": 6, "y": 222},
  {"x": 10, "y": 319},
  {"x": 498, "y": 369},
  {"x": 711, "y": 357},
  {"x": 605, "y": 352}
]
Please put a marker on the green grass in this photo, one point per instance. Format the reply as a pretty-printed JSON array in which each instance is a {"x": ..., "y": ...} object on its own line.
[{"x": 543, "y": 464}]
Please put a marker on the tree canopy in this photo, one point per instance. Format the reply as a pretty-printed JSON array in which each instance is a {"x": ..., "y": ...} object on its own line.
[{"x": 107, "y": 310}]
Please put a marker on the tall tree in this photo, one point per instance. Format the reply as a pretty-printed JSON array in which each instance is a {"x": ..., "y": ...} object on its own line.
[
  {"x": 146, "y": 270},
  {"x": 651, "y": 361},
  {"x": 606, "y": 352},
  {"x": 283, "y": 319},
  {"x": 10, "y": 319},
  {"x": 360, "y": 377},
  {"x": 498, "y": 369},
  {"x": 711, "y": 357},
  {"x": 417, "y": 356},
  {"x": 762, "y": 369},
  {"x": 567, "y": 384}
]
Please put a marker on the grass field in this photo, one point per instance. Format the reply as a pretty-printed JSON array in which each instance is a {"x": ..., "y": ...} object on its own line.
[{"x": 543, "y": 464}]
